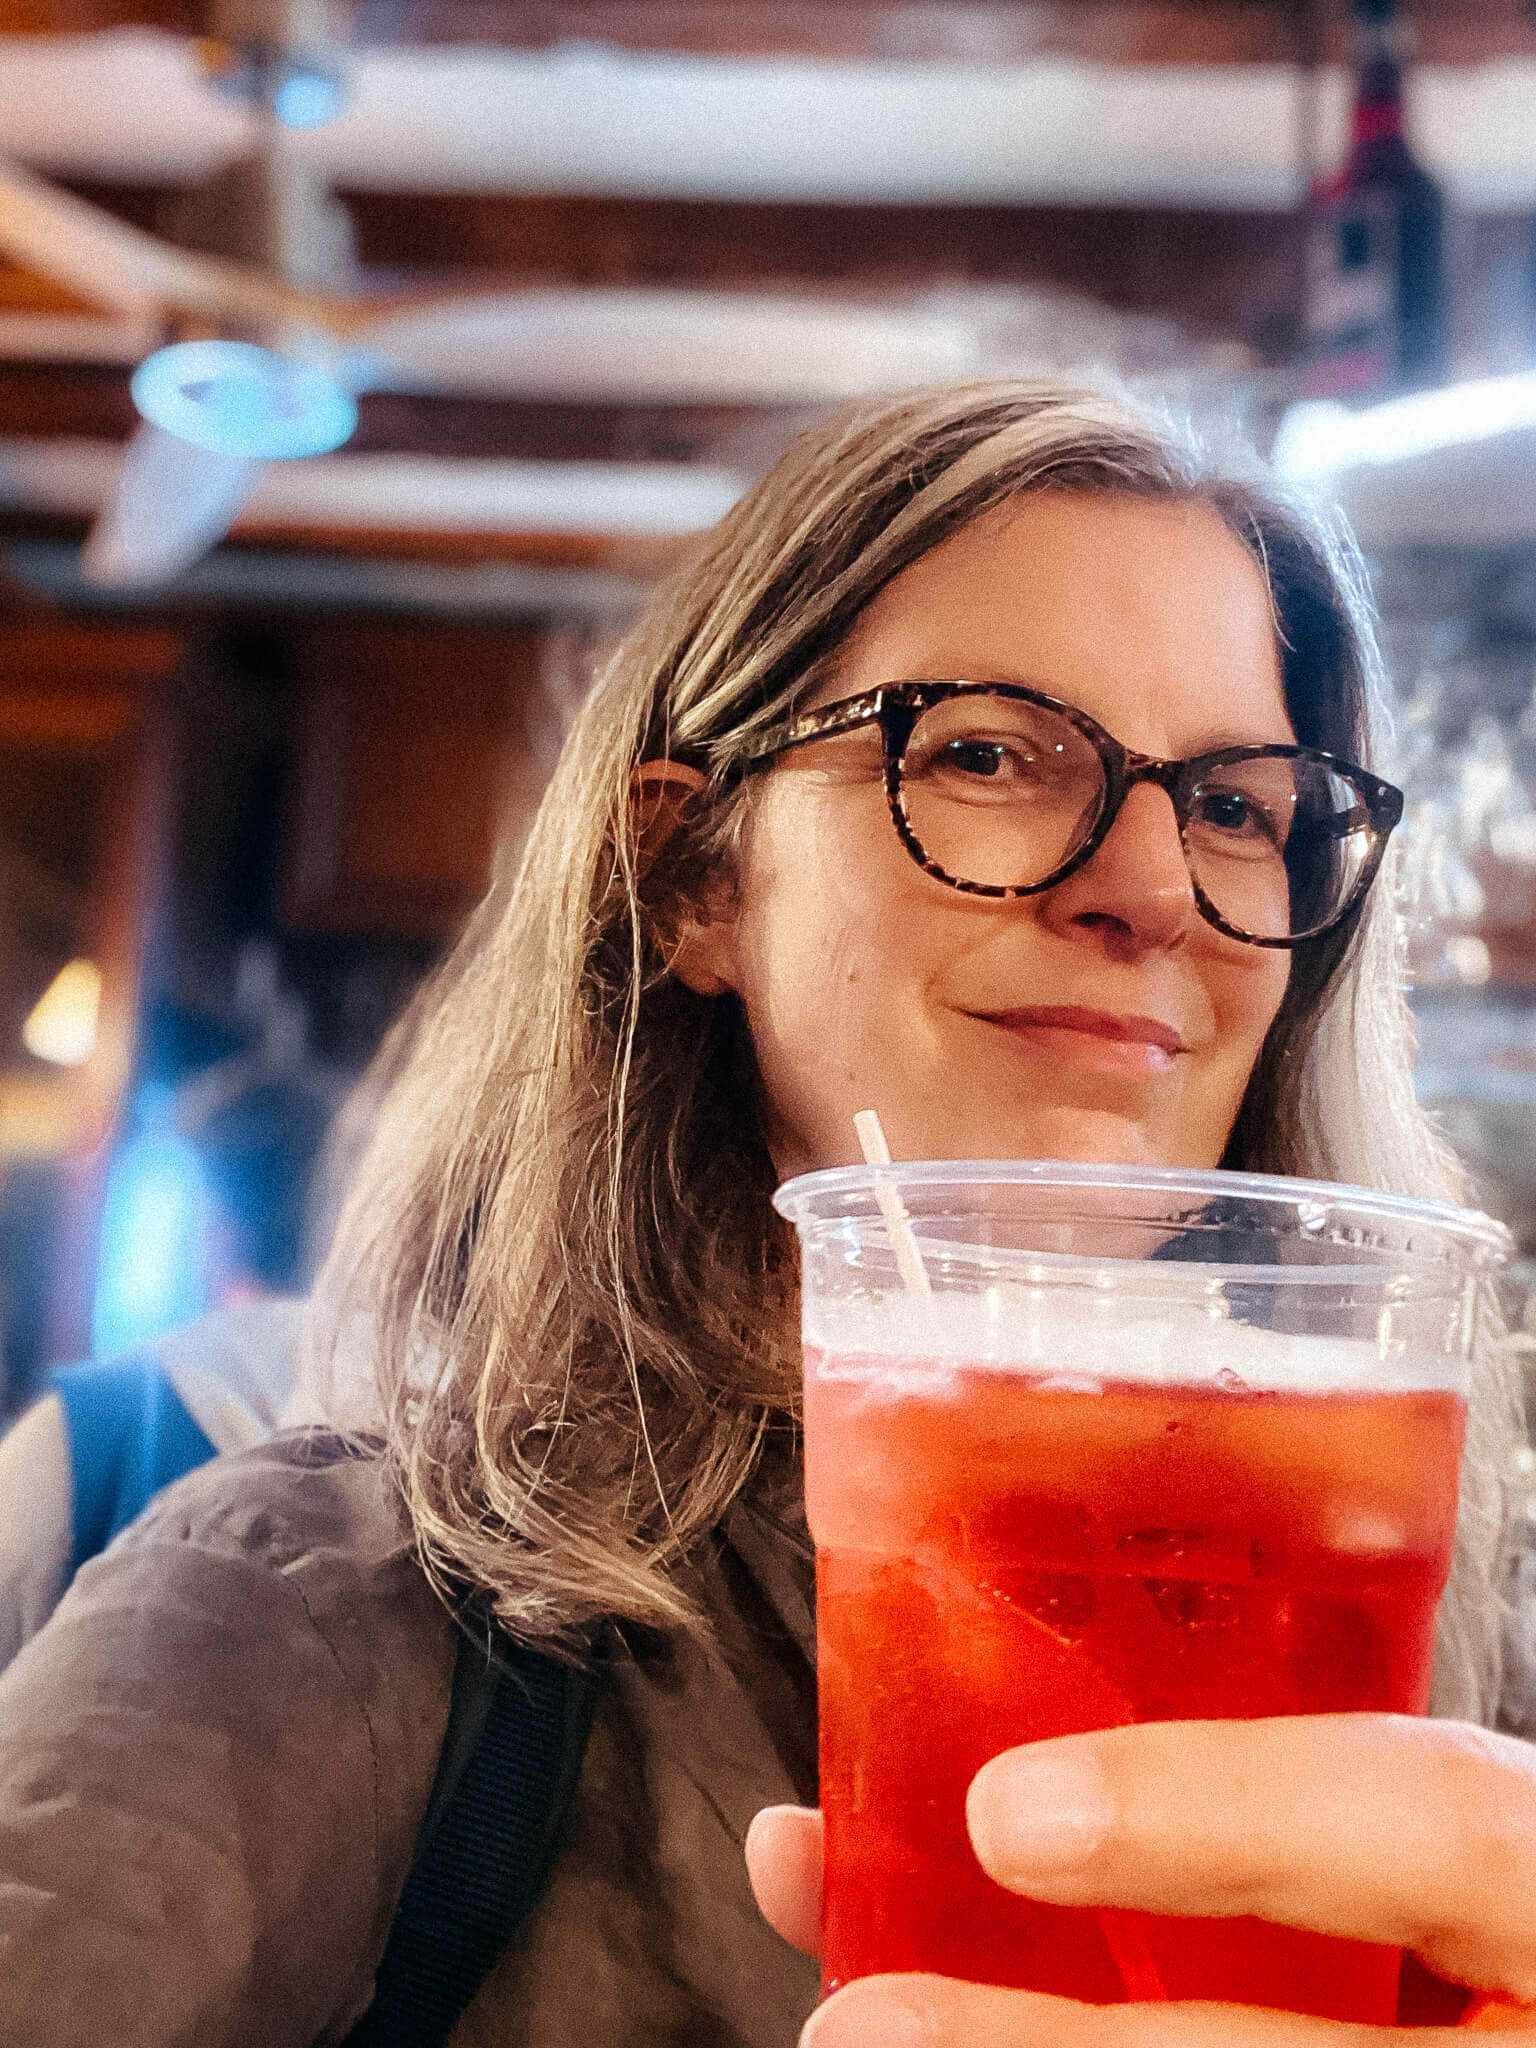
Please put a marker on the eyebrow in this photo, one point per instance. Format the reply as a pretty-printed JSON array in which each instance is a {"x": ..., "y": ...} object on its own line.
[
  {"x": 1224, "y": 737},
  {"x": 1244, "y": 739}
]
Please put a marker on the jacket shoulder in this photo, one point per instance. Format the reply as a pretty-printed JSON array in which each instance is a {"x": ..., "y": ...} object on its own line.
[
  {"x": 215, "y": 1758},
  {"x": 306, "y": 1497}
]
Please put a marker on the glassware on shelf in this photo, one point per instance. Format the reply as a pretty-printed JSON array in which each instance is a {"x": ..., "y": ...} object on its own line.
[{"x": 1468, "y": 863}]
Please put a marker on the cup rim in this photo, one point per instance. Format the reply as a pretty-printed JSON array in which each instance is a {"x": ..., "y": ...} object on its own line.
[{"x": 800, "y": 1198}]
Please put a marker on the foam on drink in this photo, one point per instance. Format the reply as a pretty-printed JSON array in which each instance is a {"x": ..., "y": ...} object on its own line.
[{"x": 1109, "y": 1337}]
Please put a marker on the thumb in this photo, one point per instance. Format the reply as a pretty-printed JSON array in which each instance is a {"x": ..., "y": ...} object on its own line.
[{"x": 784, "y": 1866}]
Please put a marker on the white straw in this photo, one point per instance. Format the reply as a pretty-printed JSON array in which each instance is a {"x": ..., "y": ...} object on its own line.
[{"x": 909, "y": 1260}]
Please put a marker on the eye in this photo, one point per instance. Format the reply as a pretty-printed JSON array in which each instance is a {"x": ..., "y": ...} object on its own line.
[
  {"x": 978, "y": 748},
  {"x": 1227, "y": 809},
  {"x": 987, "y": 758},
  {"x": 977, "y": 757},
  {"x": 1236, "y": 815}
]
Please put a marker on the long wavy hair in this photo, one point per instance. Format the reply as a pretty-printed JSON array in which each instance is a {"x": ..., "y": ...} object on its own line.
[{"x": 559, "y": 1254}]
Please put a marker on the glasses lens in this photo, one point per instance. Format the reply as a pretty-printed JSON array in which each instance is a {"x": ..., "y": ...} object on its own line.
[
  {"x": 999, "y": 791},
  {"x": 1278, "y": 846}
]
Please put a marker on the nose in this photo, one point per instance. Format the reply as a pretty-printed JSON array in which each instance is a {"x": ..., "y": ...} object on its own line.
[{"x": 1135, "y": 893}]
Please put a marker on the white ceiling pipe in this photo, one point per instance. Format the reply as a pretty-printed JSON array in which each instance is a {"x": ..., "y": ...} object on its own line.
[
  {"x": 1458, "y": 494},
  {"x": 132, "y": 104},
  {"x": 647, "y": 345},
  {"x": 1446, "y": 467},
  {"x": 601, "y": 120},
  {"x": 1471, "y": 494},
  {"x": 404, "y": 493}
]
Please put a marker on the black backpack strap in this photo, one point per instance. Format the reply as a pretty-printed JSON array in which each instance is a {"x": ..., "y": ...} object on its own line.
[{"x": 511, "y": 1755}]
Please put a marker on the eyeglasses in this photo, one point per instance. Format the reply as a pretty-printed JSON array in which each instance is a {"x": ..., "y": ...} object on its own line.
[{"x": 1000, "y": 790}]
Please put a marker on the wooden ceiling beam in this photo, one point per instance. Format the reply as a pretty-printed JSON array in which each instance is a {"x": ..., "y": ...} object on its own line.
[
  {"x": 1231, "y": 275},
  {"x": 87, "y": 17},
  {"x": 1126, "y": 31},
  {"x": 47, "y": 398},
  {"x": 1113, "y": 31},
  {"x": 639, "y": 557}
]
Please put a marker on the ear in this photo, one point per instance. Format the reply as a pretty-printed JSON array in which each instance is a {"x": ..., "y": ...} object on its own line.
[
  {"x": 700, "y": 941},
  {"x": 661, "y": 794}
]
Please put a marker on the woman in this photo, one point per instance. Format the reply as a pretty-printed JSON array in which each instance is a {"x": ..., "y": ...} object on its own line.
[{"x": 726, "y": 936}]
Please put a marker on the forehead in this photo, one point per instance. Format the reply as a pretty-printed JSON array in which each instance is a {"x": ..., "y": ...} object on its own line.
[{"x": 1150, "y": 615}]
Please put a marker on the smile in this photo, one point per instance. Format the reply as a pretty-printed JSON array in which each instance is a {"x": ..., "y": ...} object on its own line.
[{"x": 1098, "y": 1038}]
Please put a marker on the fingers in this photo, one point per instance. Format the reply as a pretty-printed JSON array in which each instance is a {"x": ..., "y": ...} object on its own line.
[
  {"x": 933, "y": 2012},
  {"x": 784, "y": 1865},
  {"x": 1417, "y": 1833},
  {"x": 1491, "y": 2015}
]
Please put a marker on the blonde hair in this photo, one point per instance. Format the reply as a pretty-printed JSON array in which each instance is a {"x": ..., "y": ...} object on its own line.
[{"x": 560, "y": 1244}]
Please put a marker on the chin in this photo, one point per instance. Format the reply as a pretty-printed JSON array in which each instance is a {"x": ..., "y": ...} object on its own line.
[{"x": 1087, "y": 1137}]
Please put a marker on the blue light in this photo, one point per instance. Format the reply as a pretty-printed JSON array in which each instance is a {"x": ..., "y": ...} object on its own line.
[
  {"x": 150, "y": 1270},
  {"x": 302, "y": 88},
  {"x": 234, "y": 398},
  {"x": 306, "y": 98}
]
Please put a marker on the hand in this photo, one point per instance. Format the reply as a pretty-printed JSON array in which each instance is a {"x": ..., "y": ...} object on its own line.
[{"x": 1417, "y": 1833}]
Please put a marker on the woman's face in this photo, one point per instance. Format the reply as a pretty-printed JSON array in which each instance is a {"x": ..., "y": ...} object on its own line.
[{"x": 1103, "y": 1019}]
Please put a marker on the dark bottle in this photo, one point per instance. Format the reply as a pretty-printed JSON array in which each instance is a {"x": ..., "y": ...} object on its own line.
[{"x": 1375, "y": 303}]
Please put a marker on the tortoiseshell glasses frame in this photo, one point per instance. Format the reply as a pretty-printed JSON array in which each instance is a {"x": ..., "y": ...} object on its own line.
[{"x": 897, "y": 708}]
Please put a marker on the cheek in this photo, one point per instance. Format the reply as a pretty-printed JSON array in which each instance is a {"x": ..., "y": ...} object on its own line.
[
  {"x": 823, "y": 890},
  {"x": 834, "y": 943},
  {"x": 1254, "y": 991},
  {"x": 818, "y": 970}
]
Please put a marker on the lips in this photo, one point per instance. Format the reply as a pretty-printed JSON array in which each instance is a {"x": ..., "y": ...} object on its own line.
[
  {"x": 1092, "y": 1041},
  {"x": 1100, "y": 1023}
]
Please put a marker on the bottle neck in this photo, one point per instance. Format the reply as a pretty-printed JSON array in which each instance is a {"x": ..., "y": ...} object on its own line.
[
  {"x": 1375, "y": 118},
  {"x": 1380, "y": 51}
]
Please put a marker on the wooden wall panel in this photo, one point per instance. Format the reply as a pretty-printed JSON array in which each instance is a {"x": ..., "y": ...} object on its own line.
[{"x": 412, "y": 745}]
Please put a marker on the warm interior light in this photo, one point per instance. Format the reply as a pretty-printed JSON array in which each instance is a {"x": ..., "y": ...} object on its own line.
[{"x": 62, "y": 1026}]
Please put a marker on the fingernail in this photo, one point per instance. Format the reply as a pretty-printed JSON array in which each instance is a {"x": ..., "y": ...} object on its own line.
[
  {"x": 868, "y": 2016},
  {"x": 1030, "y": 1814}
]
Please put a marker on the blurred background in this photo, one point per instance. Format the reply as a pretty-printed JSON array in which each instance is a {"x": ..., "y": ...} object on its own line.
[{"x": 362, "y": 364}]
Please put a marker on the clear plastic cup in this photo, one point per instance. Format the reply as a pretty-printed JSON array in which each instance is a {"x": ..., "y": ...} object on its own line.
[{"x": 1156, "y": 1445}]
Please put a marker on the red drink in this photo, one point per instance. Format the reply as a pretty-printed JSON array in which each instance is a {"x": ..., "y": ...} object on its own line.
[{"x": 1003, "y": 1557}]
